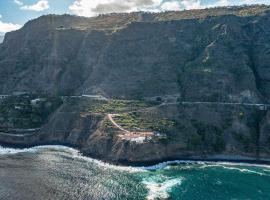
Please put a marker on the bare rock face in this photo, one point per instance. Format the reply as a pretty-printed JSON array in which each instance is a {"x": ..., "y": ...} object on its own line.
[
  {"x": 1, "y": 38},
  {"x": 219, "y": 54}
]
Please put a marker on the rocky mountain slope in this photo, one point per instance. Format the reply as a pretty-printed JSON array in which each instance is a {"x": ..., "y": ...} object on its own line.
[
  {"x": 190, "y": 84},
  {"x": 214, "y": 54},
  {"x": 1, "y": 38}
]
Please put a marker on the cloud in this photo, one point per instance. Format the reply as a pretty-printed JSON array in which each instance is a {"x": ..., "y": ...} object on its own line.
[
  {"x": 18, "y": 2},
  {"x": 170, "y": 5},
  {"x": 91, "y": 8},
  {"x": 191, "y": 4},
  {"x": 223, "y": 3},
  {"x": 255, "y": 1},
  {"x": 39, "y": 6},
  {"x": 7, "y": 27},
  {"x": 236, "y": 3},
  {"x": 94, "y": 7}
]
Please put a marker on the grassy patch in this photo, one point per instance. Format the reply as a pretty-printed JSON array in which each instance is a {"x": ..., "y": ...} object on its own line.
[
  {"x": 136, "y": 122},
  {"x": 108, "y": 127},
  {"x": 118, "y": 106}
]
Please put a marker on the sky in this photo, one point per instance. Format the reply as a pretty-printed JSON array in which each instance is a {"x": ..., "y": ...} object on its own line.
[{"x": 15, "y": 13}]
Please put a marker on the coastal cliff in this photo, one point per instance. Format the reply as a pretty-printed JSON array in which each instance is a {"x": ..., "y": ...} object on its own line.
[{"x": 141, "y": 87}]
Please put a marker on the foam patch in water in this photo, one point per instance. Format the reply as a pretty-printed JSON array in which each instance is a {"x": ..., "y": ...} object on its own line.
[
  {"x": 204, "y": 164},
  {"x": 159, "y": 186},
  {"x": 166, "y": 165},
  {"x": 243, "y": 170}
]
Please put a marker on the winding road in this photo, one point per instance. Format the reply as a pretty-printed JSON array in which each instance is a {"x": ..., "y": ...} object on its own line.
[{"x": 110, "y": 116}]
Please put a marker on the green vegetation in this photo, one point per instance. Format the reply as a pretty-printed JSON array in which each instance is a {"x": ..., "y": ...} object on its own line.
[
  {"x": 137, "y": 122},
  {"x": 86, "y": 105},
  {"x": 194, "y": 140},
  {"x": 245, "y": 141},
  {"x": 26, "y": 111},
  {"x": 108, "y": 127},
  {"x": 241, "y": 11},
  {"x": 207, "y": 138},
  {"x": 241, "y": 115},
  {"x": 115, "y": 21},
  {"x": 119, "y": 106}
]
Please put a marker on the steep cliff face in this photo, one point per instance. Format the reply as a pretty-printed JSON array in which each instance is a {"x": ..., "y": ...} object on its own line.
[
  {"x": 193, "y": 64},
  {"x": 1, "y": 38},
  {"x": 201, "y": 132},
  {"x": 177, "y": 131},
  {"x": 214, "y": 55}
]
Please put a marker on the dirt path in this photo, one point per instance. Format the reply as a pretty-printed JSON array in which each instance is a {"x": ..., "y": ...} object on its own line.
[
  {"x": 110, "y": 117},
  {"x": 138, "y": 137}
]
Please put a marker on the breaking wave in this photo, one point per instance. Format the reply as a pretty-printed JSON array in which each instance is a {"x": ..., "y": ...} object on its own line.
[
  {"x": 161, "y": 180},
  {"x": 75, "y": 154}
]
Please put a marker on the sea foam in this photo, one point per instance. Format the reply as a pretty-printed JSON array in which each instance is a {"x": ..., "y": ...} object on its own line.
[
  {"x": 160, "y": 186},
  {"x": 75, "y": 154}
]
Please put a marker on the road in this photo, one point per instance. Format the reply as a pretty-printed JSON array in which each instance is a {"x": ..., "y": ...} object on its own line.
[
  {"x": 110, "y": 116},
  {"x": 100, "y": 97},
  {"x": 225, "y": 103}
]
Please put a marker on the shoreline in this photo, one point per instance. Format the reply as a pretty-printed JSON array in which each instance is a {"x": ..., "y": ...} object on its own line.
[{"x": 152, "y": 164}]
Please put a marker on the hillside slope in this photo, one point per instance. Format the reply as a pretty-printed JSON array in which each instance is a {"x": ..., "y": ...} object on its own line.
[{"x": 215, "y": 54}]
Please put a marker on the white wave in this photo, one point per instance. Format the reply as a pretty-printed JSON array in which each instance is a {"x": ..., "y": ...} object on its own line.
[
  {"x": 236, "y": 166},
  {"x": 75, "y": 154},
  {"x": 108, "y": 165},
  {"x": 232, "y": 165},
  {"x": 243, "y": 170},
  {"x": 204, "y": 164},
  {"x": 160, "y": 186},
  {"x": 10, "y": 151},
  {"x": 244, "y": 164},
  {"x": 166, "y": 165}
]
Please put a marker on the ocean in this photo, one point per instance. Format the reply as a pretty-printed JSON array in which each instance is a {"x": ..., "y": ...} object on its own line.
[{"x": 58, "y": 172}]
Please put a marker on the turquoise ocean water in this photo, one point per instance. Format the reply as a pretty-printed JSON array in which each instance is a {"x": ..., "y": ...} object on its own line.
[{"x": 57, "y": 172}]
